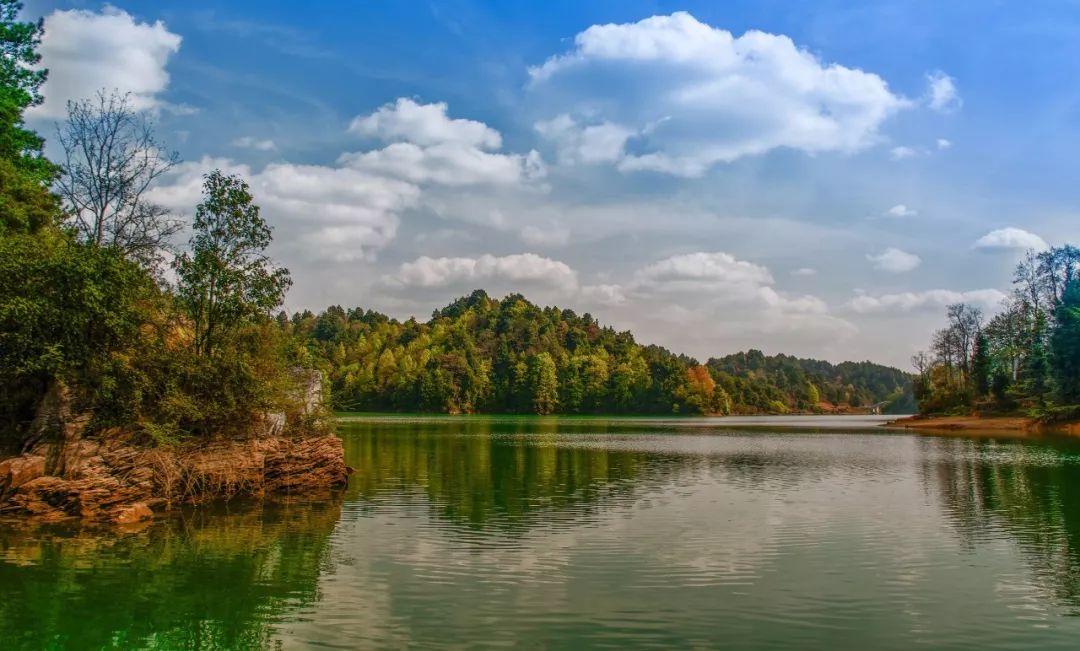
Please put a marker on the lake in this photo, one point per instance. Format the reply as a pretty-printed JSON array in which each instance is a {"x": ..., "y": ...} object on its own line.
[{"x": 592, "y": 533}]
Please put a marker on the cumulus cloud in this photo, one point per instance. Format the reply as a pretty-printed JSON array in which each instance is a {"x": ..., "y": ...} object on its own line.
[
  {"x": 424, "y": 124},
  {"x": 944, "y": 143},
  {"x": 431, "y": 147},
  {"x": 350, "y": 211},
  {"x": 900, "y": 210},
  {"x": 941, "y": 93},
  {"x": 894, "y": 260},
  {"x": 248, "y": 142},
  {"x": 720, "y": 278},
  {"x": 672, "y": 94},
  {"x": 87, "y": 51},
  {"x": 804, "y": 272},
  {"x": 930, "y": 299},
  {"x": 334, "y": 213},
  {"x": 1010, "y": 238},
  {"x": 597, "y": 143},
  {"x": 606, "y": 295},
  {"x": 473, "y": 272}
]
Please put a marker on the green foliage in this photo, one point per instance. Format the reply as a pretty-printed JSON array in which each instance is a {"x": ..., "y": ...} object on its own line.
[
  {"x": 1026, "y": 358},
  {"x": 1065, "y": 346},
  {"x": 226, "y": 280},
  {"x": 543, "y": 383},
  {"x": 66, "y": 309},
  {"x": 479, "y": 354},
  {"x": 757, "y": 382},
  {"x": 980, "y": 365}
]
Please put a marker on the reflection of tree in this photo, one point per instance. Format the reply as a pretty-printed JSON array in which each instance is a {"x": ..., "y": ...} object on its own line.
[
  {"x": 1030, "y": 492},
  {"x": 212, "y": 580},
  {"x": 488, "y": 472}
]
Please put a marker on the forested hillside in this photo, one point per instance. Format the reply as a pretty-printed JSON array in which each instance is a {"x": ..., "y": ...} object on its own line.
[{"x": 484, "y": 355}]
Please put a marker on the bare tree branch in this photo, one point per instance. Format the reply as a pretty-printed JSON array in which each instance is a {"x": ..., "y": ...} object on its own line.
[{"x": 111, "y": 160}]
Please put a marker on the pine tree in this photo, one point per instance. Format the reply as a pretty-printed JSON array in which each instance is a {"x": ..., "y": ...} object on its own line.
[
  {"x": 980, "y": 366},
  {"x": 1065, "y": 346}
]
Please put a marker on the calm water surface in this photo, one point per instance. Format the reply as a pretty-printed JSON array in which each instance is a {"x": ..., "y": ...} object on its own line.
[{"x": 592, "y": 533}]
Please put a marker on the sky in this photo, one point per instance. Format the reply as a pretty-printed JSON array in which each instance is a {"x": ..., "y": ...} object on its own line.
[{"x": 814, "y": 178}]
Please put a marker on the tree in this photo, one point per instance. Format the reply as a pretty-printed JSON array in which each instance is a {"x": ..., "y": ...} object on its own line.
[
  {"x": 980, "y": 366},
  {"x": 226, "y": 279},
  {"x": 1065, "y": 345},
  {"x": 25, "y": 203},
  {"x": 544, "y": 382},
  {"x": 1035, "y": 373},
  {"x": 111, "y": 159}
]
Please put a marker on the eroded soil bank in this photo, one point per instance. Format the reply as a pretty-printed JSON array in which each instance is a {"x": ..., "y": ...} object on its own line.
[{"x": 991, "y": 425}]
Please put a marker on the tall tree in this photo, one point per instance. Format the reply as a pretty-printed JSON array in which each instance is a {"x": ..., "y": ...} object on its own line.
[
  {"x": 980, "y": 366},
  {"x": 544, "y": 382},
  {"x": 25, "y": 203},
  {"x": 227, "y": 279},
  {"x": 111, "y": 159},
  {"x": 1065, "y": 345}
]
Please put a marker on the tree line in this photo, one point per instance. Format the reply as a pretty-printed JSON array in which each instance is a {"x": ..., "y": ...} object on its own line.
[
  {"x": 1025, "y": 359},
  {"x": 481, "y": 354}
]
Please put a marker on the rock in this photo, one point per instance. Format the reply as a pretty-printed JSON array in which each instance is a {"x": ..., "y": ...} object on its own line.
[
  {"x": 308, "y": 390},
  {"x": 115, "y": 481},
  {"x": 17, "y": 471},
  {"x": 133, "y": 513}
]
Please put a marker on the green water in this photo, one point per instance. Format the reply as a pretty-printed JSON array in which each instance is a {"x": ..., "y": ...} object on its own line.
[{"x": 591, "y": 533}]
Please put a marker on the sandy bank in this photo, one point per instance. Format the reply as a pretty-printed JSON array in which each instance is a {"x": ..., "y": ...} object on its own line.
[{"x": 1010, "y": 425}]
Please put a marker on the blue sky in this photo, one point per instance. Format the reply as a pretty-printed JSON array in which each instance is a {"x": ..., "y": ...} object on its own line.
[{"x": 819, "y": 178}]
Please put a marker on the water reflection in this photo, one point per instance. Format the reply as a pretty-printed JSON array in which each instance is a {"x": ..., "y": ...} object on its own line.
[
  {"x": 1027, "y": 491},
  {"x": 208, "y": 580},
  {"x": 585, "y": 533},
  {"x": 502, "y": 474}
]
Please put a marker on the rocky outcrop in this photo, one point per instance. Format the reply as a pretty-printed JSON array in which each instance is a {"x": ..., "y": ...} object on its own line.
[
  {"x": 111, "y": 476},
  {"x": 110, "y": 479}
]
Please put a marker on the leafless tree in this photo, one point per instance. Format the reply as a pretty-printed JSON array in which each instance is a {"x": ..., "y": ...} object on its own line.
[{"x": 111, "y": 159}]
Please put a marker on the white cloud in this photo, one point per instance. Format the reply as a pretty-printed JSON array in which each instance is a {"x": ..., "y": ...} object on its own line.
[
  {"x": 693, "y": 95},
  {"x": 438, "y": 149},
  {"x": 598, "y": 143},
  {"x": 329, "y": 213},
  {"x": 607, "y": 295},
  {"x": 549, "y": 235},
  {"x": 804, "y": 272},
  {"x": 900, "y": 210},
  {"x": 86, "y": 52},
  {"x": 694, "y": 271},
  {"x": 929, "y": 299},
  {"x": 894, "y": 260},
  {"x": 446, "y": 164},
  {"x": 518, "y": 268},
  {"x": 1010, "y": 238},
  {"x": 350, "y": 211},
  {"x": 424, "y": 124},
  {"x": 944, "y": 143},
  {"x": 903, "y": 152},
  {"x": 248, "y": 142},
  {"x": 941, "y": 93}
]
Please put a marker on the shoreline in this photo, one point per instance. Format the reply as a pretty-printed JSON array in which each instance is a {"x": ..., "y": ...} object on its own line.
[{"x": 974, "y": 425}]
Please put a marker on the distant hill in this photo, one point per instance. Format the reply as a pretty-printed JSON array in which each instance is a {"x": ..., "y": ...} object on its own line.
[
  {"x": 485, "y": 355},
  {"x": 811, "y": 384}
]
